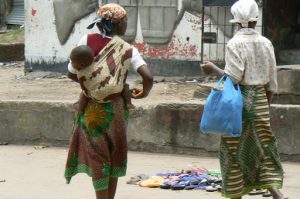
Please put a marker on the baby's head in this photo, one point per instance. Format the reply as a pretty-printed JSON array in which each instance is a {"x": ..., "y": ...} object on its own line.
[{"x": 82, "y": 57}]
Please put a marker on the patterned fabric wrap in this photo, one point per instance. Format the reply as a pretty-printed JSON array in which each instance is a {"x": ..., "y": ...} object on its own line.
[
  {"x": 105, "y": 78},
  {"x": 98, "y": 145},
  {"x": 112, "y": 12},
  {"x": 251, "y": 160}
]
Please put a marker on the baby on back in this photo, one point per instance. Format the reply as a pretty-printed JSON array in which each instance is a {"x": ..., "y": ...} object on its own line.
[{"x": 81, "y": 58}]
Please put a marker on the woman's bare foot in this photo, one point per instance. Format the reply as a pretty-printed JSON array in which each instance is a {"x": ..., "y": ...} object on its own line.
[{"x": 130, "y": 106}]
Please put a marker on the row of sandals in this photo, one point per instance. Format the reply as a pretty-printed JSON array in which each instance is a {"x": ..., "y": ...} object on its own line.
[{"x": 194, "y": 178}]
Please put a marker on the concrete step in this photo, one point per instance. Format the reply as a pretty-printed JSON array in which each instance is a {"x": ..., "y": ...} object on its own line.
[
  {"x": 166, "y": 128},
  {"x": 288, "y": 85},
  {"x": 291, "y": 56}
]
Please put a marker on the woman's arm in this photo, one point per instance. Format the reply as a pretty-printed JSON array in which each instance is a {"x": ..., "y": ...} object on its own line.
[
  {"x": 209, "y": 67},
  {"x": 234, "y": 65},
  {"x": 272, "y": 86},
  {"x": 269, "y": 95},
  {"x": 147, "y": 83},
  {"x": 73, "y": 77}
]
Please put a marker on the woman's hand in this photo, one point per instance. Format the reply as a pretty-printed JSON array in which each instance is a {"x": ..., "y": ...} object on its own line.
[
  {"x": 147, "y": 83},
  {"x": 137, "y": 93},
  {"x": 208, "y": 67}
]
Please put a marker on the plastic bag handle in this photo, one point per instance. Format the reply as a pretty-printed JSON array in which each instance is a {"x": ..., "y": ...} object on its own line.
[
  {"x": 220, "y": 81},
  {"x": 230, "y": 83}
]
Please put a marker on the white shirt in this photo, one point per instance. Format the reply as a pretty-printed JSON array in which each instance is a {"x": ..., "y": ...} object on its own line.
[
  {"x": 136, "y": 60},
  {"x": 250, "y": 59}
]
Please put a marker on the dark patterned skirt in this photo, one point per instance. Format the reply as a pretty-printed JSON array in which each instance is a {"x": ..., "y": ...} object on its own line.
[
  {"x": 98, "y": 145},
  {"x": 251, "y": 161}
]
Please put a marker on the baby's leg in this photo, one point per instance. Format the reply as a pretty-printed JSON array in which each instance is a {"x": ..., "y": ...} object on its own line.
[
  {"x": 127, "y": 96},
  {"x": 81, "y": 103}
]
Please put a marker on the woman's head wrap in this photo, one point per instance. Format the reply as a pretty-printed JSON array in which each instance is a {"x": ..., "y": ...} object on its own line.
[
  {"x": 244, "y": 11},
  {"x": 107, "y": 15}
]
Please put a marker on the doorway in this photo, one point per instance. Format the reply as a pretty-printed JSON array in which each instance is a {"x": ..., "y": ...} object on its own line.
[{"x": 282, "y": 27}]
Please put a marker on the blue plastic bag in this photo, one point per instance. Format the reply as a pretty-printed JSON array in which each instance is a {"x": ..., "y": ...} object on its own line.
[{"x": 222, "y": 113}]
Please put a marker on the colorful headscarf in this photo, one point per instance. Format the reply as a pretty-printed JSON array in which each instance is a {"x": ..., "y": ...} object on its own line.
[
  {"x": 109, "y": 14},
  {"x": 112, "y": 12}
]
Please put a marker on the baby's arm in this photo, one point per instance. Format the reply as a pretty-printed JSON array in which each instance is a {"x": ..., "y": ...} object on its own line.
[
  {"x": 72, "y": 72},
  {"x": 73, "y": 77}
]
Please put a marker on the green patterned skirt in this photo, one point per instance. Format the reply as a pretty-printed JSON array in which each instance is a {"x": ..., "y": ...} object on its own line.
[
  {"x": 251, "y": 160},
  {"x": 98, "y": 145}
]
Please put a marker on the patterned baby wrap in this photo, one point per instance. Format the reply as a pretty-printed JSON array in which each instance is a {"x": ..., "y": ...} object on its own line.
[{"x": 105, "y": 78}]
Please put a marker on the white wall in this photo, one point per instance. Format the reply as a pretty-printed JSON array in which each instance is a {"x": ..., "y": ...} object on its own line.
[
  {"x": 41, "y": 41},
  {"x": 42, "y": 44}
]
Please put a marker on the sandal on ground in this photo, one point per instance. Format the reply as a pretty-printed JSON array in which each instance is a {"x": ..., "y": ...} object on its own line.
[
  {"x": 201, "y": 187},
  {"x": 267, "y": 194},
  {"x": 136, "y": 179},
  {"x": 152, "y": 182},
  {"x": 256, "y": 192},
  {"x": 166, "y": 185},
  {"x": 213, "y": 187},
  {"x": 180, "y": 186},
  {"x": 191, "y": 187},
  {"x": 192, "y": 179}
]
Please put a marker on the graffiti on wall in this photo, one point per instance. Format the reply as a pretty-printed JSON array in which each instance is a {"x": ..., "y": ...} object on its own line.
[
  {"x": 159, "y": 29},
  {"x": 158, "y": 19},
  {"x": 68, "y": 12}
]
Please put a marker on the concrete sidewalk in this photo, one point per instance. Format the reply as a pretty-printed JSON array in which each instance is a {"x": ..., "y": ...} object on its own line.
[{"x": 38, "y": 174}]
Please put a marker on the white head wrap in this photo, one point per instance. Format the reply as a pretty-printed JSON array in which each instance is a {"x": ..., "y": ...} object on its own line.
[{"x": 244, "y": 11}]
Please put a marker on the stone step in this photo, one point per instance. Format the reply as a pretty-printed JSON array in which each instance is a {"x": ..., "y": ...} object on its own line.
[
  {"x": 288, "y": 78},
  {"x": 289, "y": 57},
  {"x": 164, "y": 128}
]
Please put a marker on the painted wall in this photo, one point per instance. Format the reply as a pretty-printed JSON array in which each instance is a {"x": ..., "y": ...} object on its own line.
[
  {"x": 42, "y": 45},
  {"x": 44, "y": 50},
  {"x": 185, "y": 43}
]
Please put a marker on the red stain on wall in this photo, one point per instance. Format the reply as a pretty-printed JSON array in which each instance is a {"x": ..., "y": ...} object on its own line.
[
  {"x": 33, "y": 11},
  {"x": 176, "y": 48}
]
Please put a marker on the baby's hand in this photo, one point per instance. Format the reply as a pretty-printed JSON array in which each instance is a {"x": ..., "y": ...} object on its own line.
[
  {"x": 208, "y": 67},
  {"x": 137, "y": 93}
]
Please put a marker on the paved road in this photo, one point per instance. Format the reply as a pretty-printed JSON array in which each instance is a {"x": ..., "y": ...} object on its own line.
[{"x": 38, "y": 174}]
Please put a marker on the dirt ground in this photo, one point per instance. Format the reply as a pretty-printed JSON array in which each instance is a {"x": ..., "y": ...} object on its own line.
[
  {"x": 30, "y": 173},
  {"x": 47, "y": 86},
  {"x": 45, "y": 178}
]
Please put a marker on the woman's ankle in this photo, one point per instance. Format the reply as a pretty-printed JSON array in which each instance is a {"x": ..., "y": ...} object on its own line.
[{"x": 276, "y": 193}]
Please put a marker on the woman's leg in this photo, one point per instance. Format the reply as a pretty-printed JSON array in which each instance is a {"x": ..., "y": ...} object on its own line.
[
  {"x": 276, "y": 193},
  {"x": 103, "y": 194},
  {"x": 112, "y": 187}
]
